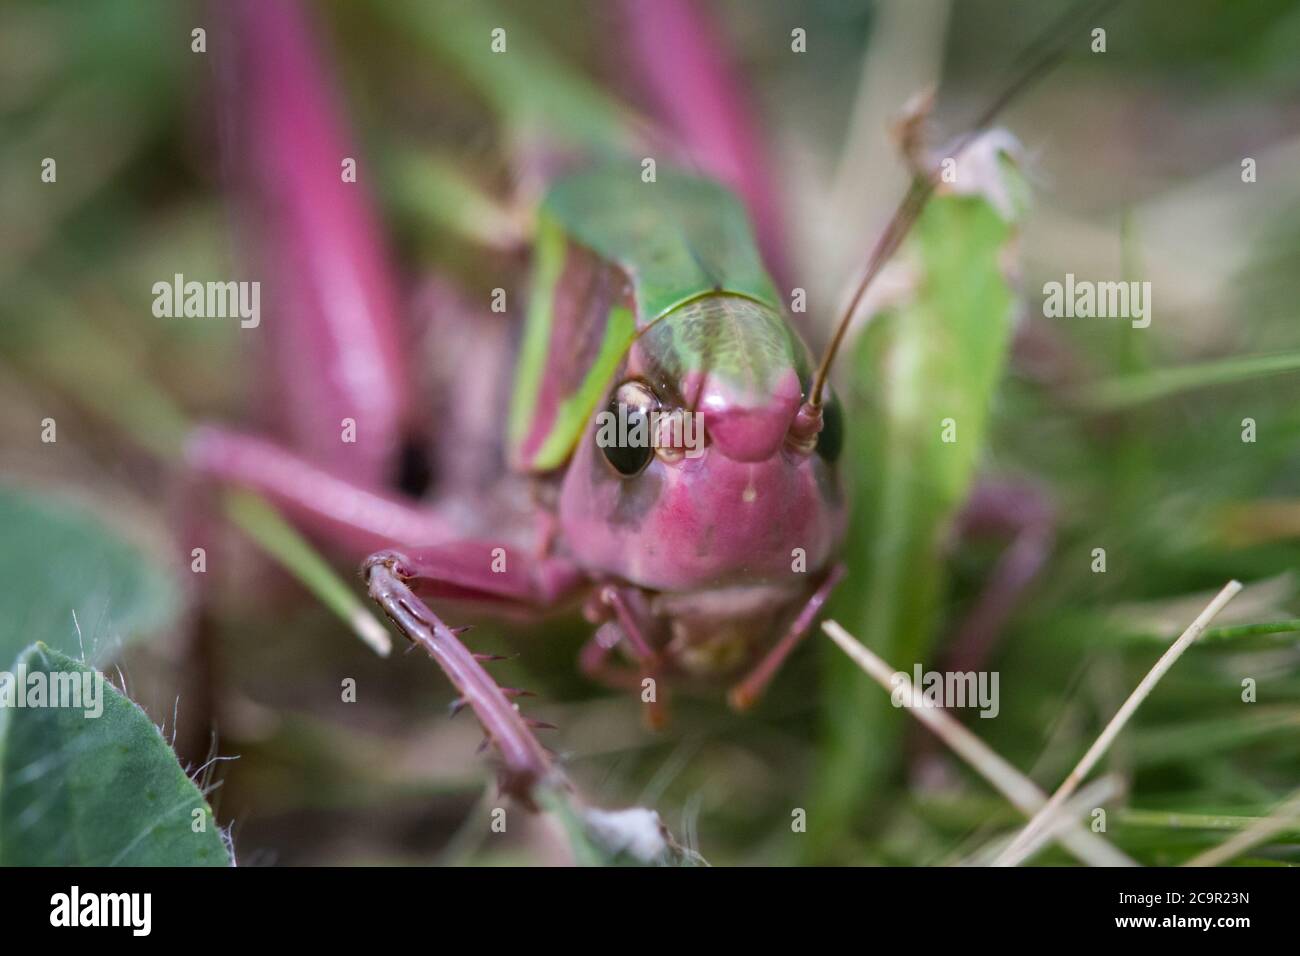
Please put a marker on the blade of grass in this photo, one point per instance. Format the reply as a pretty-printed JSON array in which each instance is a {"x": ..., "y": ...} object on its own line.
[
  {"x": 1099, "y": 747},
  {"x": 1129, "y": 390},
  {"x": 89, "y": 364},
  {"x": 943, "y": 347},
  {"x": 1280, "y": 820},
  {"x": 1259, "y": 522},
  {"x": 441, "y": 196},
  {"x": 1188, "y": 822},
  {"x": 1023, "y": 793},
  {"x": 1192, "y": 740},
  {"x": 531, "y": 86},
  {"x": 1217, "y": 635},
  {"x": 274, "y": 535}
]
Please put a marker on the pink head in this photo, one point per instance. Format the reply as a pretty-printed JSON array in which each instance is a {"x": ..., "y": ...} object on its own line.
[{"x": 733, "y": 469}]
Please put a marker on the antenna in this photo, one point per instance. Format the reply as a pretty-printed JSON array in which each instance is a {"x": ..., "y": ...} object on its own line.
[{"x": 1045, "y": 53}]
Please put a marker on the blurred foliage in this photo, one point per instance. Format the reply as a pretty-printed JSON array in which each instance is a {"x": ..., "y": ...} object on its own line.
[{"x": 74, "y": 583}]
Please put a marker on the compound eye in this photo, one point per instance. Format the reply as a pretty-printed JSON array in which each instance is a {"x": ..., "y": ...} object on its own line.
[{"x": 623, "y": 429}]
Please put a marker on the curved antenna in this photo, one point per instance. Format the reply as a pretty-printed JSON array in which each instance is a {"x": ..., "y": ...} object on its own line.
[{"x": 1045, "y": 53}]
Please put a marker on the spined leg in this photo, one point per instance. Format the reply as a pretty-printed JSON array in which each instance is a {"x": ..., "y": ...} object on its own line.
[
  {"x": 524, "y": 763},
  {"x": 995, "y": 508},
  {"x": 746, "y": 693},
  {"x": 482, "y": 571},
  {"x": 489, "y": 571}
]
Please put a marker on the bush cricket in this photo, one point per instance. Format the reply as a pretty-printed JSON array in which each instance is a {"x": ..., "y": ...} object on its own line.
[{"x": 673, "y": 447}]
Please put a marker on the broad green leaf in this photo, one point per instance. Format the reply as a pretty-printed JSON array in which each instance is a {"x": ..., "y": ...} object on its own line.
[
  {"x": 923, "y": 371},
  {"x": 57, "y": 557},
  {"x": 94, "y": 784}
]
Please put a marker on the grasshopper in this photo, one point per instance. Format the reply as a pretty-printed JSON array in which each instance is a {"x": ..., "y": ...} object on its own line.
[{"x": 699, "y": 537}]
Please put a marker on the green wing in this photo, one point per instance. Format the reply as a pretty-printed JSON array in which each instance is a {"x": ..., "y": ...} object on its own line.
[
  {"x": 677, "y": 238},
  {"x": 606, "y": 240}
]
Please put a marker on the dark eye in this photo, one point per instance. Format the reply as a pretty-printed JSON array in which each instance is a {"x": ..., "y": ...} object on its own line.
[
  {"x": 623, "y": 429},
  {"x": 830, "y": 440}
]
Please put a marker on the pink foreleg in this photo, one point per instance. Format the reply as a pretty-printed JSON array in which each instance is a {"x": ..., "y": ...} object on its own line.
[
  {"x": 630, "y": 615},
  {"x": 747, "y": 692},
  {"x": 524, "y": 763}
]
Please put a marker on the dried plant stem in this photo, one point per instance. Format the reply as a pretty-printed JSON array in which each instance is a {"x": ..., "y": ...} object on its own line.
[
  {"x": 1108, "y": 735},
  {"x": 1093, "y": 795},
  {"x": 1023, "y": 793}
]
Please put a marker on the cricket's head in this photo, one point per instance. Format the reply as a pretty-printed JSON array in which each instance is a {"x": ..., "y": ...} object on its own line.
[{"x": 705, "y": 463}]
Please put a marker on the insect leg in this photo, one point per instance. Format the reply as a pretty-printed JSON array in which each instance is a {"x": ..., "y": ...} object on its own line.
[
  {"x": 1022, "y": 511},
  {"x": 524, "y": 763},
  {"x": 747, "y": 692},
  {"x": 632, "y": 618},
  {"x": 995, "y": 507},
  {"x": 593, "y": 659},
  {"x": 346, "y": 516},
  {"x": 333, "y": 350},
  {"x": 495, "y": 572}
]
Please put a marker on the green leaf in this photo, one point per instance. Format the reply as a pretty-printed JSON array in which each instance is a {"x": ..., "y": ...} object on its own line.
[
  {"x": 78, "y": 789},
  {"x": 57, "y": 557},
  {"x": 924, "y": 370}
]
